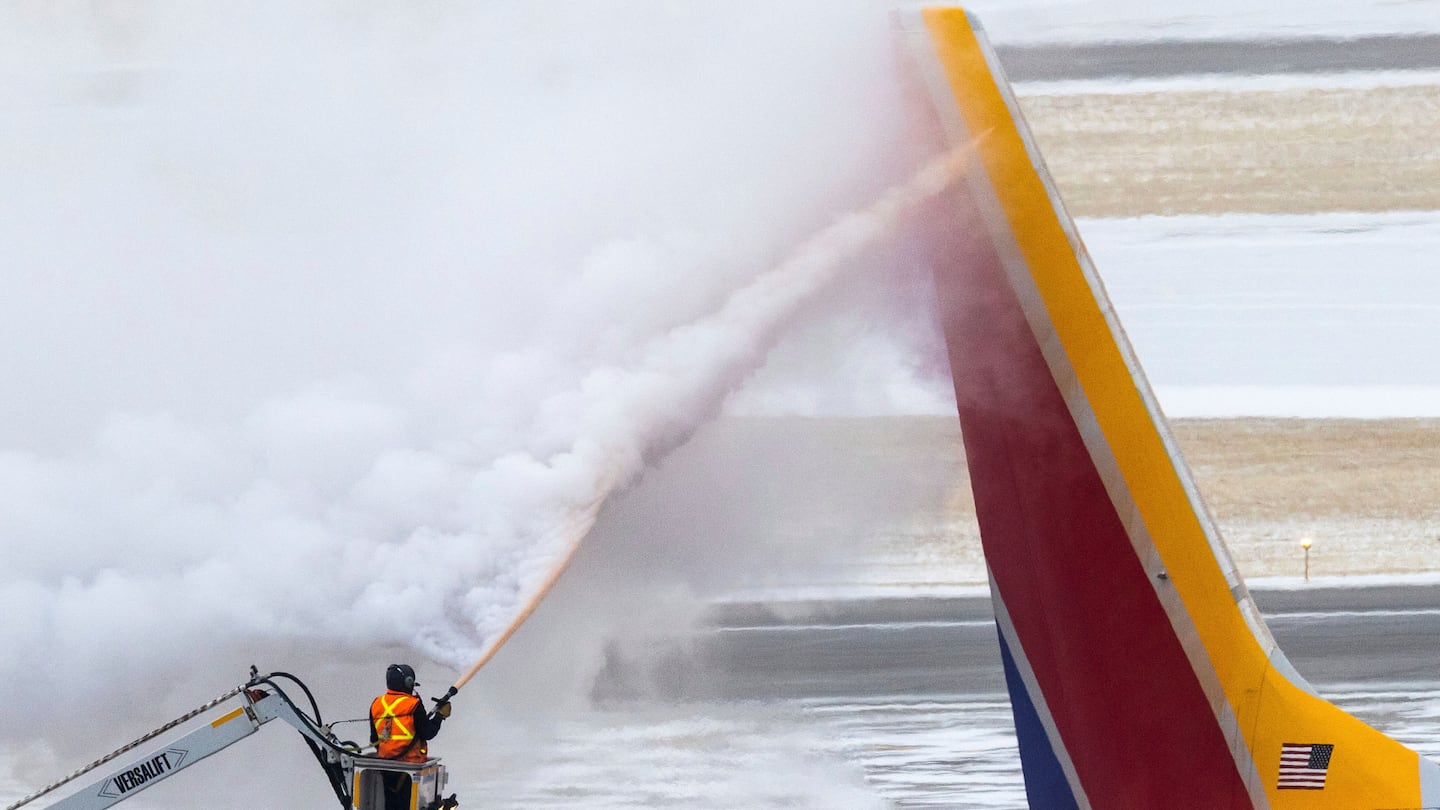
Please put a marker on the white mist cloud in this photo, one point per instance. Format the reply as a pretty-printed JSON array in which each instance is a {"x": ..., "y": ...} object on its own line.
[{"x": 319, "y": 319}]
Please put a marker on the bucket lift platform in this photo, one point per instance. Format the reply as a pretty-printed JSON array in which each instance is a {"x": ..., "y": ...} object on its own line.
[{"x": 358, "y": 780}]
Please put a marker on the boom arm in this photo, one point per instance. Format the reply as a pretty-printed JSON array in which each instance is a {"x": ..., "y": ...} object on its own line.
[
  {"x": 354, "y": 778},
  {"x": 257, "y": 709}
]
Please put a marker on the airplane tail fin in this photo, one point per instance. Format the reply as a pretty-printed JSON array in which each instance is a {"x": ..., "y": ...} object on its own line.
[{"x": 1141, "y": 674}]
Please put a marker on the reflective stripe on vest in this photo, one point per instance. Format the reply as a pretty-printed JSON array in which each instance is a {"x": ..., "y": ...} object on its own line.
[{"x": 392, "y": 715}]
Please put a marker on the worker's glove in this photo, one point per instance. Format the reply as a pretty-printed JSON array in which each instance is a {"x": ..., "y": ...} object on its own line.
[{"x": 443, "y": 709}]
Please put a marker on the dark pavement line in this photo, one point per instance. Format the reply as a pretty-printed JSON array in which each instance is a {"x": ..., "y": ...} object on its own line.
[{"x": 1165, "y": 58}]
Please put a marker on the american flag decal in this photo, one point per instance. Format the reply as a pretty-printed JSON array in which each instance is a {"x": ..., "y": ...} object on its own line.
[{"x": 1303, "y": 766}]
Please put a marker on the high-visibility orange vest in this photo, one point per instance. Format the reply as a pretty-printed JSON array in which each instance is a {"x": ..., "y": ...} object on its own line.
[{"x": 392, "y": 715}]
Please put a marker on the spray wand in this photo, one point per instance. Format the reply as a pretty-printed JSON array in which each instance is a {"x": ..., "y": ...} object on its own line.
[{"x": 575, "y": 533}]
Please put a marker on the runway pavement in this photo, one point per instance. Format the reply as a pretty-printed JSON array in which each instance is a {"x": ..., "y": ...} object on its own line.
[
  {"x": 946, "y": 646},
  {"x": 909, "y": 693}
]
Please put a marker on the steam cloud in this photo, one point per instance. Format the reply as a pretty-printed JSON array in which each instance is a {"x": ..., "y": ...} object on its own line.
[{"x": 322, "y": 320}]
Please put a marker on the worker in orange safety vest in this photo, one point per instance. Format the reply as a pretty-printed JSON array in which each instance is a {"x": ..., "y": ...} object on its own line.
[{"x": 400, "y": 728}]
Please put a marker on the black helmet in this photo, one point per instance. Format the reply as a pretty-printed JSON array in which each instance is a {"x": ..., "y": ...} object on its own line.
[{"x": 400, "y": 678}]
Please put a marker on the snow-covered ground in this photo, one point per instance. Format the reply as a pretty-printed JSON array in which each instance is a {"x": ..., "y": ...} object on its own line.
[
  {"x": 1233, "y": 83},
  {"x": 1326, "y": 315}
]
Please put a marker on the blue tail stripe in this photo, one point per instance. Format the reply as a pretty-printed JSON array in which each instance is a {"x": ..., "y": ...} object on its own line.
[{"x": 1045, "y": 782}]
